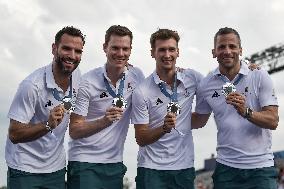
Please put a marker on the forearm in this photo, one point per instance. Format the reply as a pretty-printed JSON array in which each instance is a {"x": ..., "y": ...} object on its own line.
[
  {"x": 266, "y": 119},
  {"x": 21, "y": 133},
  {"x": 145, "y": 136},
  {"x": 83, "y": 129},
  {"x": 198, "y": 120}
]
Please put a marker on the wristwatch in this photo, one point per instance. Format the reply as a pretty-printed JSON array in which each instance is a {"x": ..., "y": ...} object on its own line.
[
  {"x": 48, "y": 127},
  {"x": 248, "y": 113}
]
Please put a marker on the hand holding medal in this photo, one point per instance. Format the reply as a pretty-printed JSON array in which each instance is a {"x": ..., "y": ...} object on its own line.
[{"x": 173, "y": 107}]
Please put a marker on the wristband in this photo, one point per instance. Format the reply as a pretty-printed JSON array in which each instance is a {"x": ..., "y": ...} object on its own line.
[
  {"x": 248, "y": 113},
  {"x": 48, "y": 127}
]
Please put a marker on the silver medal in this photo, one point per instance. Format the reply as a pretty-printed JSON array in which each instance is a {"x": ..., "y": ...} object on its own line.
[
  {"x": 68, "y": 104},
  {"x": 228, "y": 88},
  {"x": 119, "y": 102},
  {"x": 174, "y": 107}
]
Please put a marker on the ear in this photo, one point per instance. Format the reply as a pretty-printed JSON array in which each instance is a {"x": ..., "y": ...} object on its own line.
[
  {"x": 104, "y": 47},
  {"x": 177, "y": 52},
  {"x": 213, "y": 53},
  {"x": 241, "y": 51},
  {"x": 54, "y": 48},
  {"x": 152, "y": 53}
]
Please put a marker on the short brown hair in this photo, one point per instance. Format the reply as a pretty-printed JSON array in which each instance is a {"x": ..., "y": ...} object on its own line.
[
  {"x": 163, "y": 34},
  {"x": 119, "y": 31},
  {"x": 227, "y": 30}
]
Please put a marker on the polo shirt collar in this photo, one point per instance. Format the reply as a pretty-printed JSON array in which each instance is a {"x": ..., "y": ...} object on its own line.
[
  {"x": 49, "y": 78},
  {"x": 244, "y": 70},
  {"x": 105, "y": 73},
  {"x": 157, "y": 80}
]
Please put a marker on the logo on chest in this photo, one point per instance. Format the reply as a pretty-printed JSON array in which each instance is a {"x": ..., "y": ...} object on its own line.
[
  {"x": 48, "y": 103},
  {"x": 159, "y": 101},
  {"x": 103, "y": 95},
  {"x": 215, "y": 94}
]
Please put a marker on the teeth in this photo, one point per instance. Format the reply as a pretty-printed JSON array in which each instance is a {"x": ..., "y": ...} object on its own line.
[{"x": 68, "y": 62}]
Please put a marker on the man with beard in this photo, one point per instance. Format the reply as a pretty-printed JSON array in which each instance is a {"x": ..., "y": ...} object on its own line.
[
  {"x": 161, "y": 113},
  {"x": 101, "y": 118},
  {"x": 245, "y": 110},
  {"x": 39, "y": 117}
]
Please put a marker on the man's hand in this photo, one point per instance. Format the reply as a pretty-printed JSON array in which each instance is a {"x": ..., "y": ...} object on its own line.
[
  {"x": 113, "y": 114},
  {"x": 169, "y": 122},
  {"x": 56, "y": 116},
  {"x": 238, "y": 101}
]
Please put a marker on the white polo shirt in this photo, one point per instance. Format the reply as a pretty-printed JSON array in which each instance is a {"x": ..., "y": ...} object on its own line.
[
  {"x": 32, "y": 104},
  {"x": 171, "y": 151},
  {"x": 93, "y": 99},
  {"x": 240, "y": 143}
]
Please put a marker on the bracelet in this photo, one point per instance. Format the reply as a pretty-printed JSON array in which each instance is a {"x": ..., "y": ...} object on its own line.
[
  {"x": 248, "y": 113},
  {"x": 48, "y": 127}
]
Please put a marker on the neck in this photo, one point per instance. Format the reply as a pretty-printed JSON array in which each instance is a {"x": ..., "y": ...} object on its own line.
[
  {"x": 167, "y": 76},
  {"x": 114, "y": 74},
  {"x": 230, "y": 73},
  {"x": 61, "y": 79}
]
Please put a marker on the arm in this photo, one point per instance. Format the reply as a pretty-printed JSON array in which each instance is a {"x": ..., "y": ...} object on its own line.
[
  {"x": 21, "y": 132},
  {"x": 198, "y": 120},
  {"x": 267, "y": 118},
  {"x": 80, "y": 128},
  {"x": 145, "y": 135}
]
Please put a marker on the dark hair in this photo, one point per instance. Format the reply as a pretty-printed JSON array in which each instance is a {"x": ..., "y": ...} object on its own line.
[
  {"x": 119, "y": 31},
  {"x": 163, "y": 34},
  {"x": 70, "y": 30},
  {"x": 227, "y": 30}
]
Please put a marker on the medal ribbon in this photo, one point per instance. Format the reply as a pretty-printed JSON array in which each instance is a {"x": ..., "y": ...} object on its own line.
[
  {"x": 240, "y": 76},
  {"x": 56, "y": 93},
  {"x": 162, "y": 87},
  {"x": 120, "y": 89}
]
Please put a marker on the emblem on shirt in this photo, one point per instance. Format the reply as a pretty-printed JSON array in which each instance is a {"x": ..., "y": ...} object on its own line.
[
  {"x": 159, "y": 101},
  {"x": 129, "y": 87},
  {"x": 186, "y": 93},
  {"x": 74, "y": 93},
  {"x": 103, "y": 95},
  {"x": 48, "y": 103},
  {"x": 215, "y": 94}
]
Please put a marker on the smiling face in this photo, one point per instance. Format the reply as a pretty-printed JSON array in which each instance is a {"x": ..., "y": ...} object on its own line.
[
  {"x": 165, "y": 53},
  {"x": 118, "y": 50},
  {"x": 227, "y": 51},
  {"x": 67, "y": 53}
]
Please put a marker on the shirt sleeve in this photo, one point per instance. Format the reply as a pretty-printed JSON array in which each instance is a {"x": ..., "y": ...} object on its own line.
[
  {"x": 83, "y": 98},
  {"x": 267, "y": 96},
  {"x": 202, "y": 106},
  {"x": 23, "y": 105},
  {"x": 140, "y": 114}
]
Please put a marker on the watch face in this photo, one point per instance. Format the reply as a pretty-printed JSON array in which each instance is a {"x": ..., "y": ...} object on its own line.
[
  {"x": 119, "y": 102},
  {"x": 228, "y": 88},
  {"x": 174, "y": 107}
]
